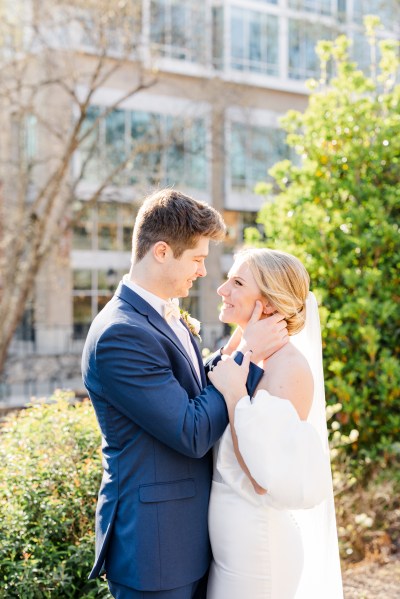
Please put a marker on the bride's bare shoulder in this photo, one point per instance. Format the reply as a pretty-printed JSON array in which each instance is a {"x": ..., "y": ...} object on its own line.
[{"x": 287, "y": 374}]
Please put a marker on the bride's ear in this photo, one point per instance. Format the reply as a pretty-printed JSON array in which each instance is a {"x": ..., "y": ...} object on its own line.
[{"x": 267, "y": 309}]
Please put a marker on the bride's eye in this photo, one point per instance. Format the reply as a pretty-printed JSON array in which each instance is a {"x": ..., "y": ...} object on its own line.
[{"x": 238, "y": 283}]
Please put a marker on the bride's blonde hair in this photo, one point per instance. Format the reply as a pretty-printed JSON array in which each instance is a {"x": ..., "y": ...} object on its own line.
[{"x": 283, "y": 281}]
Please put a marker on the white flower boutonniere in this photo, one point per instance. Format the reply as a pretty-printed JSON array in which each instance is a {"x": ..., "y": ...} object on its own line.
[{"x": 192, "y": 323}]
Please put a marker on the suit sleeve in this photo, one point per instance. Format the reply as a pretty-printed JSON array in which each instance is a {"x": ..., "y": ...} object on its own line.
[
  {"x": 136, "y": 377},
  {"x": 255, "y": 372}
]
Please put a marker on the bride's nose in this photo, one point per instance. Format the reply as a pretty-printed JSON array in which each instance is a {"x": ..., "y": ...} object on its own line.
[{"x": 222, "y": 289}]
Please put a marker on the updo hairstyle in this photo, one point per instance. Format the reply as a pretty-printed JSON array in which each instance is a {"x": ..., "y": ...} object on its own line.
[{"x": 283, "y": 281}]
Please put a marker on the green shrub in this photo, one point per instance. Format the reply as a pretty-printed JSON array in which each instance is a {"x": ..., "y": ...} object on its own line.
[
  {"x": 337, "y": 207},
  {"x": 50, "y": 469},
  {"x": 367, "y": 512}
]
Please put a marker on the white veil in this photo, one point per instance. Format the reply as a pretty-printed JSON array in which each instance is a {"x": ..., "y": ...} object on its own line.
[{"x": 318, "y": 525}]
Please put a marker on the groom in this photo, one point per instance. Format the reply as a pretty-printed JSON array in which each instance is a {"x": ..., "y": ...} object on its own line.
[{"x": 157, "y": 415}]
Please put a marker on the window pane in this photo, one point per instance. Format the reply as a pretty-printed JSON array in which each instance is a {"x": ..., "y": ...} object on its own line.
[
  {"x": 82, "y": 279},
  {"x": 238, "y": 156},
  {"x": 82, "y": 314},
  {"x": 115, "y": 153},
  {"x": 218, "y": 37},
  {"x": 26, "y": 328},
  {"x": 253, "y": 151},
  {"x": 388, "y": 11},
  {"x": 254, "y": 41},
  {"x": 107, "y": 227},
  {"x": 271, "y": 25},
  {"x": 90, "y": 147},
  {"x": 147, "y": 139},
  {"x": 127, "y": 238},
  {"x": 83, "y": 231},
  {"x": 175, "y": 150},
  {"x": 303, "y": 37},
  {"x": 30, "y": 137},
  {"x": 323, "y": 7},
  {"x": 107, "y": 280},
  {"x": 195, "y": 173},
  {"x": 127, "y": 217},
  {"x": 177, "y": 29},
  {"x": 158, "y": 21},
  {"x": 237, "y": 39},
  {"x": 102, "y": 301}
]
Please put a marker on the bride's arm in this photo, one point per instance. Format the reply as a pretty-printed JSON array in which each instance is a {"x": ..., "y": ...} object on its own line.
[
  {"x": 228, "y": 377},
  {"x": 275, "y": 446},
  {"x": 258, "y": 488},
  {"x": 283, "y": 452},
  {"x": 290, "y": 378}
]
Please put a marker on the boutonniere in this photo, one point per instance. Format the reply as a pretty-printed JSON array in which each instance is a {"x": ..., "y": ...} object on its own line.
[{"x": 192, "y": 323}]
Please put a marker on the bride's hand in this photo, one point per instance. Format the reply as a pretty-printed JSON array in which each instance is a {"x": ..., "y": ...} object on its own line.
[
  {"x": 263, "y": 336},
  {"x": 230, "y": 378},
  {"x": 258, "y": 489},
  {"x": 233, "y": 342}
]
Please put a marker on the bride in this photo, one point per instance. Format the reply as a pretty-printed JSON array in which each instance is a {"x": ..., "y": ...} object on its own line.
[{"x": 271, "y": 517}]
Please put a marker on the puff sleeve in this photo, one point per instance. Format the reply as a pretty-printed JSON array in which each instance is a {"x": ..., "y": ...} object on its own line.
[{"x": 283, "y": 453}]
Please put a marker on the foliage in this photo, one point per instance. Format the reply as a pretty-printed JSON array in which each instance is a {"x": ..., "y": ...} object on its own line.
[
  {"x": 367, "y": 506},
  {"x": 337, "y": 208},
  {"x": 50, "y": 468},
  {"x": 367, "y": 512}
]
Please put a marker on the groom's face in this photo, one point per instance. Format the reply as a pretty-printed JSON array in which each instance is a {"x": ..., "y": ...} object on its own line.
[{"x": 183, "y": 271}]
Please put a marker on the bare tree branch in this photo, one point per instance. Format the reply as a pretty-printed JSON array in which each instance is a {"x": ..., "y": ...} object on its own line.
[{"x": 37, "y": 191}]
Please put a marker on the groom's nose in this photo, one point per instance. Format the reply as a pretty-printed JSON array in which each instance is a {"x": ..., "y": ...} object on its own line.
[{"x": 201, "y": 271}]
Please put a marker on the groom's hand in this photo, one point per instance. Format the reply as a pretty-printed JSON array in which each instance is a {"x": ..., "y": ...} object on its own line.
[{"x": 263, "y": 336}]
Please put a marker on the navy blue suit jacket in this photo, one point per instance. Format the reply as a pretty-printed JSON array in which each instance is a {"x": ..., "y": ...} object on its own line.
[{"x": 158, "y": 424}]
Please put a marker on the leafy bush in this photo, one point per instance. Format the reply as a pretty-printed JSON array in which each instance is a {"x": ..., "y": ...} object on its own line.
[
  {"x": 50, "y": 469},
  {"x": 337, "y": 207},
  {"x": 367, "y": 513},
  {"x": 367, "y": 506}
]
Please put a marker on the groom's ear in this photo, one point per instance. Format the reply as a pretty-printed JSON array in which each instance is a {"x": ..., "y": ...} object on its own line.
[{"x": 161, "y": 250}]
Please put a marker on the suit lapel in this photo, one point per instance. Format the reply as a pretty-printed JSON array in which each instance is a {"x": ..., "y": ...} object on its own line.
[
  {"x": 198, "y": 354},
  {"x": 157, "y": 321}
]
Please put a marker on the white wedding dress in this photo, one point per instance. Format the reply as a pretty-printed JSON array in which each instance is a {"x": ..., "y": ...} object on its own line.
[{"x": 281, "y": 545}]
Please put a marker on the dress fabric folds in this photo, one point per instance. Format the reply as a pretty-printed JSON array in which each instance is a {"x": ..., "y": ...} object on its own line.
[{"x": 273, "y": 546}]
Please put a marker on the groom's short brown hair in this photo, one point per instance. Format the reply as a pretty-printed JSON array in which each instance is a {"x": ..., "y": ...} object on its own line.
[{"x": 179, "y": 220}]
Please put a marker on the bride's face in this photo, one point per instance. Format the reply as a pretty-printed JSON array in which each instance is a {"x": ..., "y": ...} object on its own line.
[{"x": 239, "y": 293}]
